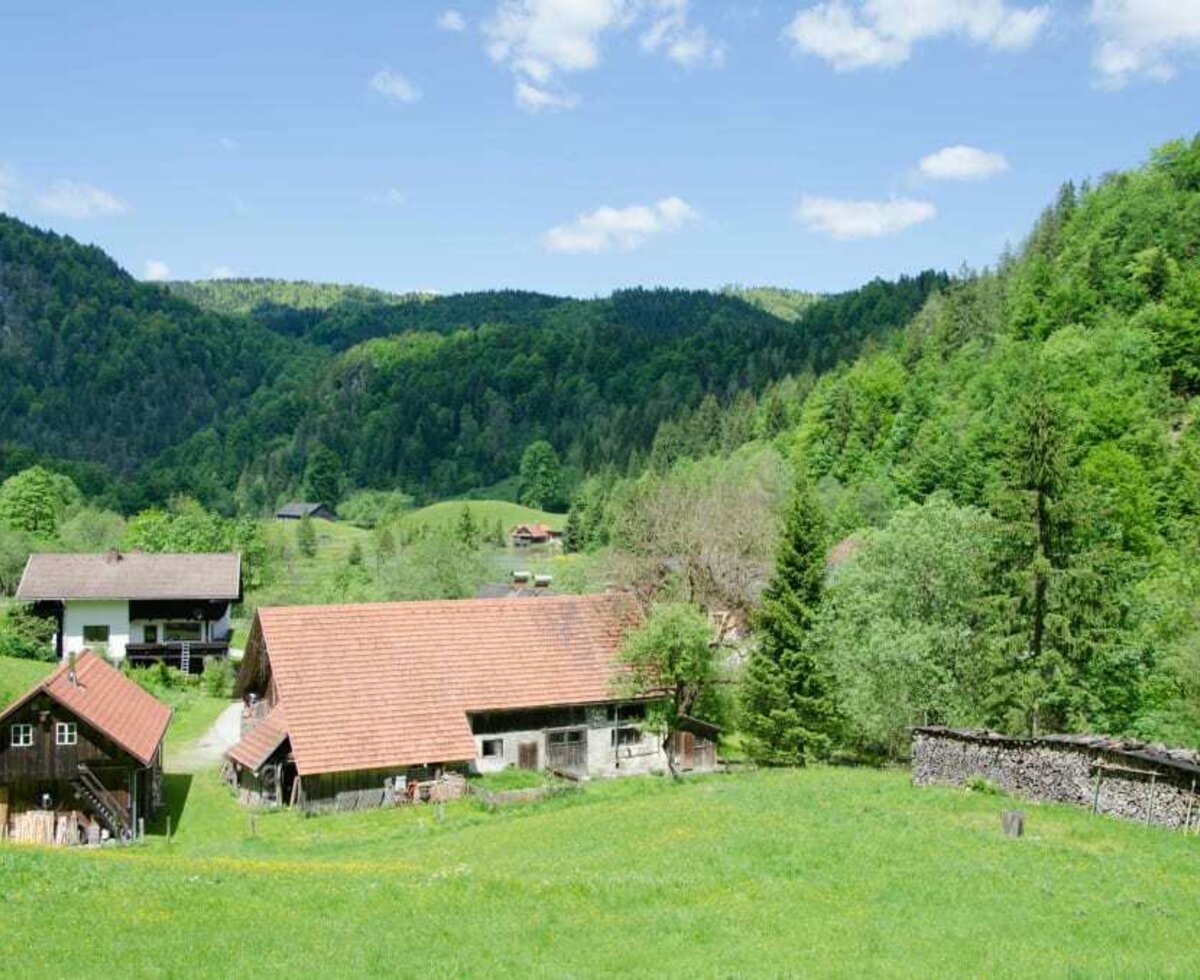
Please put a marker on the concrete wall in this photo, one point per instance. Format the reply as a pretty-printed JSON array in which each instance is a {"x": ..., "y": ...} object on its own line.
[
  {"x": 1061, "y": 772},
  {"x": 603, "y": 759},
  {"x": 111, "y": 613}
]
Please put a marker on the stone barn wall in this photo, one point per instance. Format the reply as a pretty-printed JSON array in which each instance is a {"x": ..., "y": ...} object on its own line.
[{"x": 1117, "y": 777}]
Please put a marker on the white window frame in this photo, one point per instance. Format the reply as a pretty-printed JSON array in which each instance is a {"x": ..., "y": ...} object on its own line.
[
  {"x": 498, "y": 754},
  {"x": 20, "y": 735},
  {"x": 66, "y": 733}
]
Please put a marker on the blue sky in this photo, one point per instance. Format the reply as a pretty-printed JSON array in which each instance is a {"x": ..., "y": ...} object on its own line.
[{"x": 576, "y": 146}]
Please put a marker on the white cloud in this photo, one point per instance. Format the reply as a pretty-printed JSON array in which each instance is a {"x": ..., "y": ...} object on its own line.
[
  {"x": 962, "y": 163},
  {"x": 882, "y": 33},
  {"x": 541, "y": 40},
  {"x": 155, "y": 270},
  {"x": 1143, "y": 38},
  {"x": 220, "y": 272},
  {"x": 227, "y": 142},
  {"x": 8, "y": 188},
  {"x": 75, "y": 200},
  {"x": 451, "y": 20},
  {"x": 622, "y": 228},
  {"x": 393, "y": 197},
  {"x": 395, "y": 86},
  {"x": 847, "y": 220}
]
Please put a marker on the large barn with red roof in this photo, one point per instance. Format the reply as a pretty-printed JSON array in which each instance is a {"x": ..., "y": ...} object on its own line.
[{"x": 357, "y": 704}]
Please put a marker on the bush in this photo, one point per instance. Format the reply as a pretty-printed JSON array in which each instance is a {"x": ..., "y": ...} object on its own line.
[
  {"x": 217, "y": 678},
  {"x": 25, "y": 635},
  {"x": 982, "y": 785}
]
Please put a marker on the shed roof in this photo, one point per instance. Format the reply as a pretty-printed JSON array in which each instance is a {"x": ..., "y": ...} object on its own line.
[
  {"x": 262, "y": 740},
  {"x": 301, "y": 508},
  {"x": 132, "y": 575},
  {"x": 108, "y": 701},
  {"x": 390, "y": 684}
]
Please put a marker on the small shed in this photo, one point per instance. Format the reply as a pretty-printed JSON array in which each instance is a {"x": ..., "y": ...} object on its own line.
[
  {"x": 82, "y": 750},
  {"x": 297, "y": 509}
]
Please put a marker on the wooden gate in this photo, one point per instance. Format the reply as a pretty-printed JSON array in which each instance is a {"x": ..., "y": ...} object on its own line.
[
  {"x": 527, "y": 755},
  {"x": 567, "y": 750}
]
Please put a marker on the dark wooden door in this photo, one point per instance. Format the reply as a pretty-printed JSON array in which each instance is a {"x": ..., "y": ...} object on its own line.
[{"x": 527, "y": 755}]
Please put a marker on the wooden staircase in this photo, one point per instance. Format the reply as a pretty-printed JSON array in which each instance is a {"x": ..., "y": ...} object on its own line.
[{"x": 101, "y": 802}]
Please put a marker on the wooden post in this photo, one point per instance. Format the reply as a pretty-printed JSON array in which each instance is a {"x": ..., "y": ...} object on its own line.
[
  {"x": 1187, "y": 820},
  {"x": 1150, "y": 799},
  {"x": 168, "y": 830},
  {"x": 1096, "y": 793},
  {"x": 1013, "y": 822}
]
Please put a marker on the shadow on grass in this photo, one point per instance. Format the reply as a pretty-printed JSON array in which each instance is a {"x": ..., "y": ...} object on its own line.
[{"x": 176, "y": 787}]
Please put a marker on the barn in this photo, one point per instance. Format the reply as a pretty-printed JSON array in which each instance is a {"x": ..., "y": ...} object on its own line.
[
  {"x": 360, "y": 705},
  {"x": 82, "y": 749}
]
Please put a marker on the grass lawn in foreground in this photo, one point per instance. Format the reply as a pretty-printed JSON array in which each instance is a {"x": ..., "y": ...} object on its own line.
[{"x": 817, "y": 872}]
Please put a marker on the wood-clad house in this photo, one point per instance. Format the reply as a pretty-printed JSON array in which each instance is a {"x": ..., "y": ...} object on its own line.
[
  {"x": 369, "y": 701},
  {"x": 139, "y": 607},
  {"x": 527, "y": 535},
  {"x": 85, "y": 740},
  {"x": 295, "y": 510}
]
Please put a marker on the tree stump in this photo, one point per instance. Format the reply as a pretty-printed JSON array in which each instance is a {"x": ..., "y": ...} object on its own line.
[{"x": 1013, "y": 822}]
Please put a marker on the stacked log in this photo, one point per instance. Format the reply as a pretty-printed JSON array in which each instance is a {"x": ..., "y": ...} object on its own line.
[{"x": 1120, "y": 778}]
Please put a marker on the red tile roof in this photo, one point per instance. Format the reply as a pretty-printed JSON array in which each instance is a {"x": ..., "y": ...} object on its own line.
[
  {"x": 390, "y": 684},
  {"x": 108, "y": 701},
  {"x": 264, "y": 738},
  {"x": 132, "y": 575}
]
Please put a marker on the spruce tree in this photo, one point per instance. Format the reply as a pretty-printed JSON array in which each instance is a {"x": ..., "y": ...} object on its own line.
[{"x": 789, "y": 712}]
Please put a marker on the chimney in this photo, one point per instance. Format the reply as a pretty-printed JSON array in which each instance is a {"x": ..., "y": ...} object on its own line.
[{"x": 72, "y": 678}]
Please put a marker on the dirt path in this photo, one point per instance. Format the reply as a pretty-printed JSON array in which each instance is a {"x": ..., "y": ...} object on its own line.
[{"x": 213, "y": 744}]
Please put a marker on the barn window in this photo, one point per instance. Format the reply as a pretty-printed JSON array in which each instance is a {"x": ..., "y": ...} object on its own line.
[
  {"x": 21, "y": 736},
  {"x": 66, "y": 733},
  {"x": 95, "y": 634},
  {"x": 493, "y": 748},
  {"x": 626, "y": 736},
  {"x": 177, "y": 632}
]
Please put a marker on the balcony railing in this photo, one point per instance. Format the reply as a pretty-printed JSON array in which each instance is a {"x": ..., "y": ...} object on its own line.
[{"x": 170, "y": 653}]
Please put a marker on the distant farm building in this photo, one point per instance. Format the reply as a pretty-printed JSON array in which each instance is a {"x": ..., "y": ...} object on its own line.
[
  {"x": 298, "y": 509},
  {"x": 138, "y": 607},
  {"x": 524, "y": 535},
  {"x": 81, "y": 756},
  {"x": 361, "y": 705}
]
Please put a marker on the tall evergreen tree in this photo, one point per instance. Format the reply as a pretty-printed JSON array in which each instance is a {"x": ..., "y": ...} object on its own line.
[
  {"x": 540, "y": 476},
  {"x": 788, "y": 710}
]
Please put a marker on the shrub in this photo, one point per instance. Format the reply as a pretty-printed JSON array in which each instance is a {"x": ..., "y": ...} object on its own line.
[
  {"x": 983, "y": 785},
  {"x": 218, "y": 678},
  {"x": 25, "y": 635}
]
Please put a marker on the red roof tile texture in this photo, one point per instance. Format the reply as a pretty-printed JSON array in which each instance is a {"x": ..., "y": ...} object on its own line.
[
  {"x": 390, "y": 684},
  {"x": 263, "y": 739},
  {"x": 109, "y": 702}
]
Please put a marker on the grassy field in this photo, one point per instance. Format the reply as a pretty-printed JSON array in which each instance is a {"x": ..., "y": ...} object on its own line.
[
  {"x": 18, "y": 676},
  {"x": 445, "y": 515},
  {"x": 826, "y": 872}
]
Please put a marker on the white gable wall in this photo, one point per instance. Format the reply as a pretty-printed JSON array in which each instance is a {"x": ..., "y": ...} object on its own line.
[{"x": 113, "y": 613}]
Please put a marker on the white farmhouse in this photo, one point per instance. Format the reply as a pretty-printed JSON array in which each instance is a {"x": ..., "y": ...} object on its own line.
[{"x": 135, "y": 606}]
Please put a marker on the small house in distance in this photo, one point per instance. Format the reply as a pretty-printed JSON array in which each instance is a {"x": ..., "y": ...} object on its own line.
[
  {"x": 81, "y": 754},
  {"x": 360, "y": 705},
  {"x": 135, "y": 606},
  {"x": 525, "y": 535},
  {"x": 298, "y": 509}
]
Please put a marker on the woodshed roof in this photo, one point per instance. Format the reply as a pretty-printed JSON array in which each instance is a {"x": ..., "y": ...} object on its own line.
[
  {"x": 262, "y": 740},
  {"x": 109, "y": 702},
  {"x": 132, "y": 575},
  {"x": 390, "y": 684},
  {"x": 301, "y": 508}
]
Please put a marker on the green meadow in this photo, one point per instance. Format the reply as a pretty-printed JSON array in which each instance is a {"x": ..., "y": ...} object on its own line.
[{"x": 817, "y": 872}]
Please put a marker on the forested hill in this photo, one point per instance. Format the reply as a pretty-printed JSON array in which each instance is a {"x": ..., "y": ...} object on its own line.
[
  {"x": 97, "y": 366},
  {"x": 450, "y": 403}
]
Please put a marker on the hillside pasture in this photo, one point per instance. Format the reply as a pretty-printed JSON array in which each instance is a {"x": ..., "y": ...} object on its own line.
[
  {"x": 18, "y": 676},
  {"x": 819, "y": 872},
  {"x": 444, "y": 516}
]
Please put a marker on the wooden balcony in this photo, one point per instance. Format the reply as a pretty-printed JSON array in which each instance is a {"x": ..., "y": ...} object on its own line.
[{"x": 171, "y": 653}]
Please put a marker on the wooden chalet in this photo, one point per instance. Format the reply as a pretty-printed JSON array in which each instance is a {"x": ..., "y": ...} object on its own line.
[
  {"x": 361, "y": 705},
  {"x": 82, "y": 753},
  {"x": 296, "y": 510},
  {"x": 144, "y": 608},
  {"x": 527, "y": 535}
]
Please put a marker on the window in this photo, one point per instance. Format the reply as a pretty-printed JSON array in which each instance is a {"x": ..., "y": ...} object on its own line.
[
  {"x": 493, "y": 748},
  {"x": 21, "y": 736},
  {"x": 65, "y": 733},
  {"x": 181, "y": 631},
  {"x": 95, "y": 634},
  {"x": 626, "y": 736},
  {"x": 150, "y": 634}
]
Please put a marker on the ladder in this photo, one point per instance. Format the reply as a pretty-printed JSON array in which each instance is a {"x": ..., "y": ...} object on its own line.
[{"x": 185, "y": 657}]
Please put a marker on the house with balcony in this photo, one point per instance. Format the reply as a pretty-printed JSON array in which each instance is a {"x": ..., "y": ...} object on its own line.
[{"x": 137, "y": 607}]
